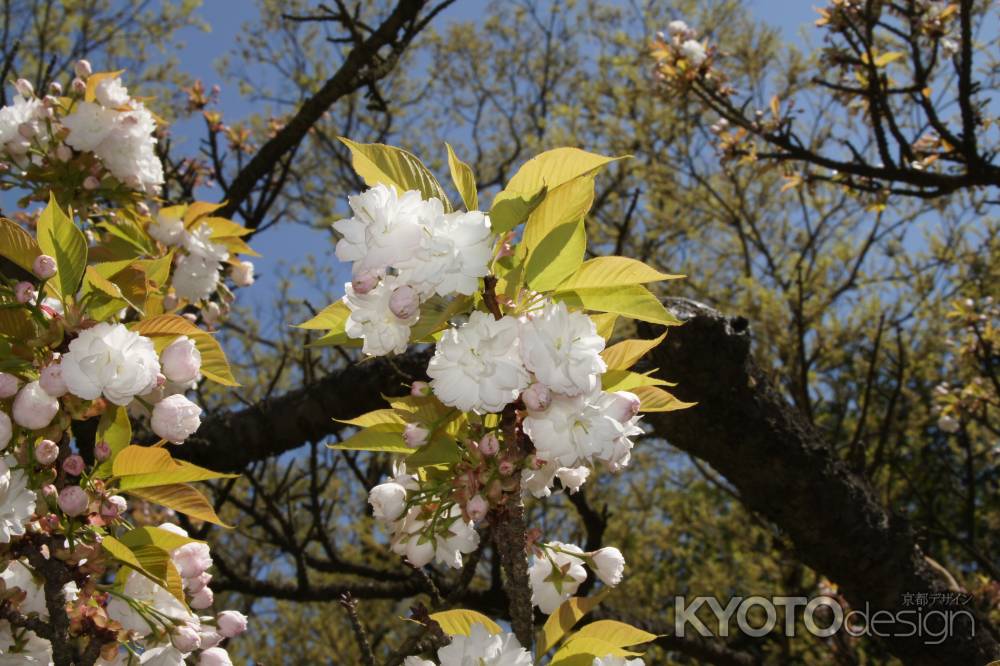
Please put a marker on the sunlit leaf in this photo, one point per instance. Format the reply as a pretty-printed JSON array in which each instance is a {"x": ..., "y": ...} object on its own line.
[
  {"x": 378, "y": 163},
  {"x": 459, "y": 622},
  {"x": 464, "y": 179}
]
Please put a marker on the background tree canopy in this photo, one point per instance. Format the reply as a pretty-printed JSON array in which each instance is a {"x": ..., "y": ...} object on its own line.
[{"x": 846, "y": 437}]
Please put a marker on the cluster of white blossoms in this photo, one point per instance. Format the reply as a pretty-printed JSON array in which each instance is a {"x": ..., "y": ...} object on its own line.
[
  {"x": 198, "y": 261},
  {"x": 557, "y": 571},
  {"x": 101, "y": 119},
  {"x": 682, "y": 40},
  {"x": 405, "y": 249},
  {"x": 481, "y": 648},
  {"x": 167, "y": 631}
]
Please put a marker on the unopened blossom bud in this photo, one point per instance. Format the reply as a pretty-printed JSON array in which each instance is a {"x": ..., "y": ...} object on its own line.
[
  {"x": 231, "y": 623},
  {"x": 489, "y": 445},
  {"x": 242, "y": 274},
  {"x": 694, "y": 52},
  {"x": 537, "y": 397},
  {"x": 27, "y": 130},
  {"x": 186, "y": 639},
  {"x": 608, "y": 565},
  {"x": 78, "y": 86},
  {"x": 24, "y": 88},
  {"x": 181, "y": 361},
  {"x": 506, "y": 468},
  {"x": 170, "y": 301},
  {"x": 46, "y": 452},
  {"x": 33, "y": 407},
  {"x": 73, "y": 465},
  {"x": 51, "y": 380},
  {"x": 49, "y": 490},
  {"x": 44, "y": 266},
  {"x": 102, "y": 451},
  {"x": 91, "y": 183},
  {"x": 365, "y": 281},
  {"x": 175, "y": 418},
  {"x": 192, "y": 559},
  {"x": 477, "y": 507},
  {"x": 6, "y": 429},
  {"x": 420, "y": 389},
  {"x": 8, "y": 385},
  {"x": 64, "y": 153},
  {"x": 82, "y": 68},
  {"x": 677, "y": 27},
  {"x": 203, "y": 599},
  {"x": 73, "y": 500},
  {"x": 506, "y": 250},
  {"x": 55, "y": 88},
  {"x": 624, "y": 407},
  {"x": 209, "y": 637},
  {"x": 211, "y": 313},
  {"x": 24, "y": 292},
  {"x": 414, "y": 435},
  {"x": 113, "y": 506},
  {"x": 197, "y": 583},
  {"x": 214, "y": 657},
  {"x": 388, "y": 501},
  {"x": 404, "y": 302}
]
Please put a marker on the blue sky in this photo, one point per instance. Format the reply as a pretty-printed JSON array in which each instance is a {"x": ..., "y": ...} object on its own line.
[{"x": 291, "y": 244}]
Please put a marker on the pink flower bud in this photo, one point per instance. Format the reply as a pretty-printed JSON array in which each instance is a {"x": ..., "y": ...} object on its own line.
[
  {"x": 420, "y": 389},
  {"x": 64, "y": 153},
  {"x": 8, "y": 385},
  {"x": 46, "y": 452},
  {"x": 365, "y": 281},
  {"x": 24, "y": 292},
  {"x": 203, "y": 599},
  {"x": 192, "y": 559},
  {"x": 44, "y": 266},
  {"x": 102, "y": 451},
  {"x": 506, "y": 250},
  {"x": 209, "y": 637},
  {"x": 414, "y": 435},
  {"x": 624, "y": 406},
  {"x": 231, "y": 623},
  {"x": 6, "y": 429},
  {"x": 24, "y": 88},
  {"x": 404, "y": 302},
  {"x": 489, "y": 445},
  {"x": 91, "y": 183},
  {"x": 78, "y": 86},
  {"x": 113, "y": 506},
  {"x": 506, "y": 468},
  {"x": 51, "y": 380},
  {"x": 537, "y": 397},
  {"x": 197, "y": 583},
  {"x": 181, "y": 361},
  {"x": 186, "y": 639},
  {"x": 49, "y": 490},
  {"x": 73, "y": 465},
  {"x": 55, "y": 88},
  {"x": 214, "y": 657},
  {"x": 82, "y": 68},
  {"x": 175, "y": 418},
  {"x": 33, "y": 407},
  {"x": 73, "y": 501},
  {"x": 477, "y": 508}
]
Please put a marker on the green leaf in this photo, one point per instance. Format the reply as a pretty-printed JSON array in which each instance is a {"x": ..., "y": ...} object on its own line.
[
  {"x": 385, "y": 437},
  {"x": 180, "y": 497},
  {"x": 653, "y": 399},
  {"x": 613, "y": 272},
  {"x": 633, "y": 301},
  {"x": 378, "y": 163},
  {"x": 626, "y": 353},
  {"x": 565, "y": 204},
  {"x": 557, "y": 256},
  {"x": 555, "y": 167},
  {"x": 617, "y": 634},
  {"x": 17, "y": 244},
  {"x": 626, "y": 380},
  {"x": 60, "y": 238},
  {"x": 565, "y": 618},
  {"x": 441, "y": 450},
  {"x": 115, "y": 429},
  {"x": 459, "y": 622},
  {"x": 185, "y": 472},
  {"x": 582, "y": 652},
  {"x": 131, "y": 234},
  {"x": 512, "y": 208},
  {"x": 378, "y": 417},
  {"x": 155, "y": 536},
  {"x": 464, "y": 179}
]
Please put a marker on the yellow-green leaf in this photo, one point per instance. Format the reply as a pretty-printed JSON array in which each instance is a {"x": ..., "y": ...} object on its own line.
[
  {"x": 94, "y": 79},
  {"x": 555, "y": 167},
  {"x": 330, "y": 318},
  {"x": 565, "y": 204},
  {"x": 464, "y": 179},
  {"x": 164, "y": 328},
  {"x": 565, "y": 618},
  {"x": 512, "y": 208},
  {"x": 626, "y": 380},
  {"x": 198, "y": 210},
  {"x": 115, "y": 429},
  {"x": 184, "y": 472},
  {"x": 225, "y": 228},
  {"x": 582, "y": 652},
  {"x": 378, "y": 163},
  {"x": 626, "y": 353},
  {"x": 654, "y": 399},
  {"x": 60, "y": 238},
  {"x": 613, "y": 272},
  {"x": 17, "y": 244},
  {"x": 459, "y": 622},
  {"x": 617, "y": 634},
  {"x": 180, "y": 497},
  {"x": 605, "y": 323},
  {"x": 155, "y": 536},
  {"x": 378, "y": 417},
  {"x": 435, "y": 313},
  {"x": 385, "y": 437},
  {"x": 633, "y": 301},
  {"x": 557, "y": 256},
  {"x": 142, "y": 460}
]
